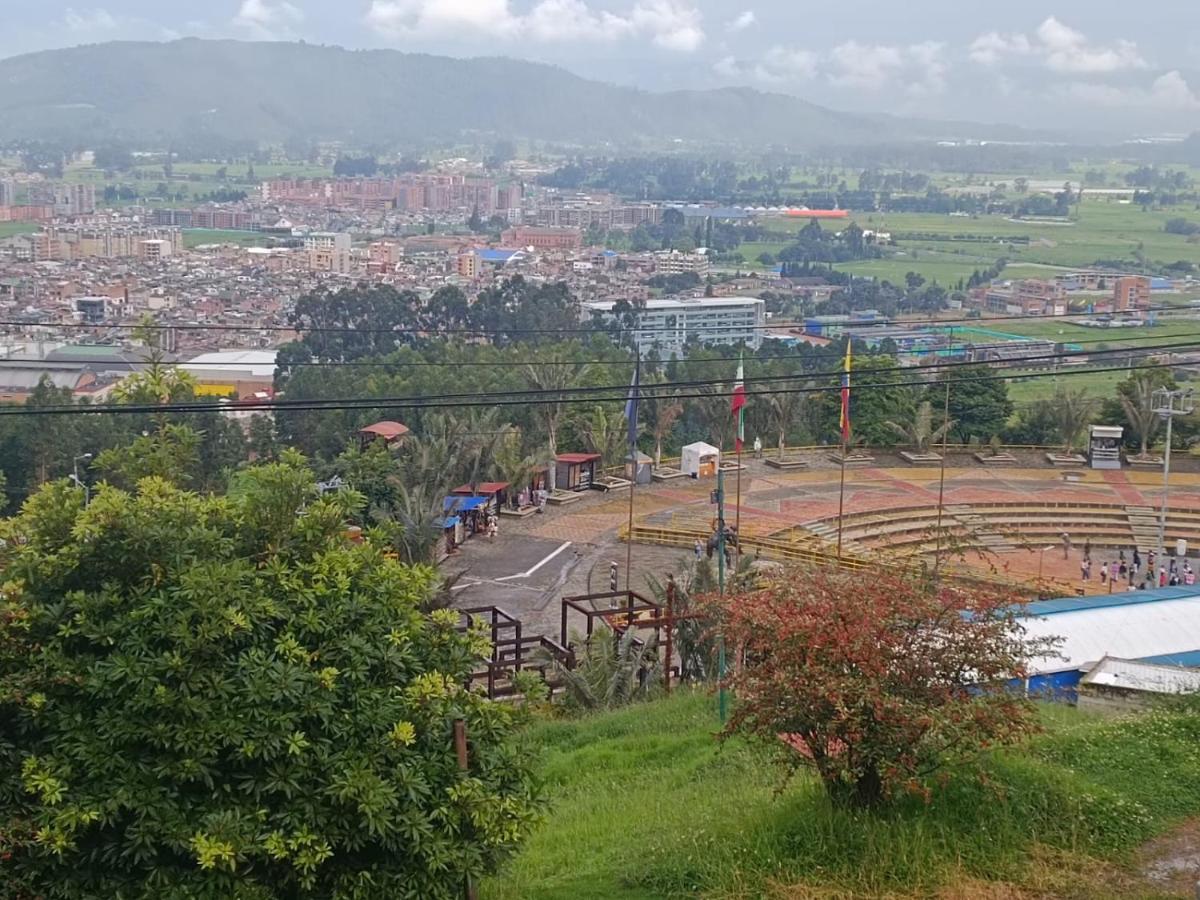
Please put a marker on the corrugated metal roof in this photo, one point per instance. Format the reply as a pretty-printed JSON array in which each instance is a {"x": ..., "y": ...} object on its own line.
[
  {"x": 1142, "y": 676},
  {"x": 1103, "y": 601},
  {"x": 1142, "y": 626}
]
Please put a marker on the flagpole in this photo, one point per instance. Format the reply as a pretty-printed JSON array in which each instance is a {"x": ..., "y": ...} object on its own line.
[
  {"x": 845, "y": 428},
  {"x": 633, "y": 471},
  {"x": 841, "y": 500}
]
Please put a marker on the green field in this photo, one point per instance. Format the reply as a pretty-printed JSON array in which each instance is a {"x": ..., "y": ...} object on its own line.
[
  {"x": 1101, "y": 385},
  {"x": 645, "y": 803},
  {"x": 1165, "y": 332},
  {"x": 8, "y": 229},
  {"x": 194, "y": 237}
]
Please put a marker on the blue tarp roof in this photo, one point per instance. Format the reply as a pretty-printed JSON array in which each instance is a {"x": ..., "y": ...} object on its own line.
[
  {"x": 463, "y": 504},
  {"x": 447, "y": 522},
  {"x": 500, "y": 256}
]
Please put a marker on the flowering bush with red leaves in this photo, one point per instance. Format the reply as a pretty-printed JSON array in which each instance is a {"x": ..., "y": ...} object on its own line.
[{"x": 875, "y": 680}]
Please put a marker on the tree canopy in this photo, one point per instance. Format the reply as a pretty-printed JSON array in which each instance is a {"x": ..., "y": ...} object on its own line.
[{"x": 214, "y": 697}]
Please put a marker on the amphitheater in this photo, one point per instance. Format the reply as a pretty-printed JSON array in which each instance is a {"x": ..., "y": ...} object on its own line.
[{"x": 999, "y": 523}]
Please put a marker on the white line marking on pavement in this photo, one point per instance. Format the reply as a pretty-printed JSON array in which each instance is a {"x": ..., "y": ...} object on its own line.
[{"x": 529, "y": 572}]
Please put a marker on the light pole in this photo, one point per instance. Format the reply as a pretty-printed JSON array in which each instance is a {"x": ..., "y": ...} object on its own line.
[
  {"x": 1042, "y": 559},
  {"x": 1169, "y": 404},
  {"x": 79, "y": 482}
]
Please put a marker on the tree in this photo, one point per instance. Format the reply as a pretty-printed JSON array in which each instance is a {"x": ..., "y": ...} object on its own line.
[
  {"x": 920, "y": 433},
  {"x": 784, "y": 408},
  {"x": 605, "y": 432},
  {"x": 171, "y": 452},
  {"x": 555, "y": 373},
  {"x": 979, "y": 403},
  {"x": 475, "y": 222},
  {"x": 662, "y": 411},
  {"x": 877, "y": 683},
  {"x": 1073, "y": 411},
  {"x": 224, "y": 697},
  {"x": 1136, "y": 395}
]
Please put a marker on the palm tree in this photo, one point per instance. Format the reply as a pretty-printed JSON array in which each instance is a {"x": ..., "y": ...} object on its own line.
[
  {"x": 783, "y": 410},
  {"x": 663, "y": 411},
  {"x": 482, "y": 432},
  {"x": 605, "y": 433},
  {"x": 610, "y": 671},
  {"x": 1138, "y": 405},
  {"x": 555, "y": 373},
  {"x": 511, "y": 464},
  {"x": 920, "y": 433},
  {"x": 416, "y": 512},
  {"x": 715, "y": 413},
  {"x": 1073, "y": 411}
]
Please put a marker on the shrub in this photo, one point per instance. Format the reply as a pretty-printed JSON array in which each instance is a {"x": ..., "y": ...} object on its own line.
[{"x": 223, "y": 697}]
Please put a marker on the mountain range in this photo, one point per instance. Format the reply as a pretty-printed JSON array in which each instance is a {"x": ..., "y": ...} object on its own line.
[{"x": 273, "y": 91}]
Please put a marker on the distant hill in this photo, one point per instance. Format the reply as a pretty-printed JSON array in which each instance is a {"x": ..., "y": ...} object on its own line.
[{"x": 274, "y": 91}]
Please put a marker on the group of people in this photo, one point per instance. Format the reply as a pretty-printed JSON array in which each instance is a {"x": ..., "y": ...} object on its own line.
[{"x": 1129, "y": 571}]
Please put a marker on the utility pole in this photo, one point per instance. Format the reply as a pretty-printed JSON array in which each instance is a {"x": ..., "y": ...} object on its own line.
[
  {"x": 722, "y": 698},
  {"x": 1169, "y": 404},
  {"x": 79, "y": 482}
]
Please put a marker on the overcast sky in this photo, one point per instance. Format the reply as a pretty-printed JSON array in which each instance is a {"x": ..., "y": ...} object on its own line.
[{"x": 1074, "y": 62}]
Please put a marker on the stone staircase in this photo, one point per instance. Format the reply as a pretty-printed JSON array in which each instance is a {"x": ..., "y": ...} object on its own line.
[
  {"x": 1143, "y": 522},
  {"x": 987, "y": 537},
  {"x": 827, "y": 533}
]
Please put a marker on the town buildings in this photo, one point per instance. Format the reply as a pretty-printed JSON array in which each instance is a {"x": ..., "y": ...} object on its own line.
[
  {"x": 667, "y": 325},
  {"x": 542, "y": 238}
]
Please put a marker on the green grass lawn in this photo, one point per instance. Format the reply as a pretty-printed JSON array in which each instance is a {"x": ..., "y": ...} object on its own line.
[
  {"x": 1101, "y": 385},
  {"x": 194, "y": 237},
  {"x": 644, "y": 803},
  {"x": 945, "y": 272},
  {"x": 8, "y": 229}
]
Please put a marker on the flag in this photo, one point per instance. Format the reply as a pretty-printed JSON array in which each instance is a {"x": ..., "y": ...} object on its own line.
[
  {"x": 739, "y": 408},
  {"x": 845, "y": 419},
  {"x": 631, "y": 407}
]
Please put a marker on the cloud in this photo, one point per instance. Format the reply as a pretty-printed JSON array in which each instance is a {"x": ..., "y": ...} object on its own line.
[
  {"x": 920, "y": 69},
  {"x": 778, "y": 66},
  {"x": 1068, "y": 50},
  {"x": 1060, "y": 48},
  {"x": 672, "y": 24},
  {"x": 743, "y": 21},
  {"x": 269, "y": 19},
  {"x": 988, "y": 49},
  {"x": 1170, "y": 93},
  {"x": 928, "y": 64},
  {"x": 89, "y": 20},
  {"x": 864, "y": 66}
]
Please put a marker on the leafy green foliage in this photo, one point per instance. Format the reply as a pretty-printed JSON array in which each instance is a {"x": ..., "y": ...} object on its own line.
[{"x": 208, "y": 697}]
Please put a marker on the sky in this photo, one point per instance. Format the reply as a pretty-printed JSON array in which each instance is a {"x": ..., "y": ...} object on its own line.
[{"x": 1076, "y": 64}]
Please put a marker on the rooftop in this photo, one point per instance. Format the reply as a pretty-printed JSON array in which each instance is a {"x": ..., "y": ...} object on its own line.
[{"x": 666, "y": 303}]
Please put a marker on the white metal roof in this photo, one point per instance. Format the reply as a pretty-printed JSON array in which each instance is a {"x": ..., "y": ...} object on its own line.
[
  {"x": 255, "y": 363},
  {"x": 1134, "y": 630},
  {"x": 1140, "y": 676}
]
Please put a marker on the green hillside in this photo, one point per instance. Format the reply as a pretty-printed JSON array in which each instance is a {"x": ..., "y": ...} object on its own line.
[
  {"x": 646, "y": 804},
  {"x": 274, "y": 91}
]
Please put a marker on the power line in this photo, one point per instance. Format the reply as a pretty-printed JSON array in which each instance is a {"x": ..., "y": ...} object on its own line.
[
  {"x": 509, "y": 363},
  {"x": 619, "y": 393},
  {"x": 605, "y": 328},
  {"x": 656, "y": 390}
]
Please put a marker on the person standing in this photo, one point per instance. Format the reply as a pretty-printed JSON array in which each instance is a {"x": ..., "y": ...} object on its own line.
[
  {"x": 699, "y": 549},
  {"x": 1066, "y": 542},
  {"x": 1137, "y": 561},
  {"x": 757, "y": 447}
]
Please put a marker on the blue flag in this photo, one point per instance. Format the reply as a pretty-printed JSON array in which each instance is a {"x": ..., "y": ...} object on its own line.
[{"x": 631, "y": 406}]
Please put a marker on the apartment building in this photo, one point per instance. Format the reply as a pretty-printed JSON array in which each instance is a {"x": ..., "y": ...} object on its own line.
[
  {"x": 1131, "y": 292},
  {"x": 328, "y": 251},
  {"x": 673, "y": 262},
  {"x": 542, "y": 238},
  {"x": 666, "y": 325},
  {"x": 70, "y": 242}
]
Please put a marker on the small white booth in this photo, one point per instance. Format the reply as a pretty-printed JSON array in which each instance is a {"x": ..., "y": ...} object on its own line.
[
  {"x": 700, "y": 460},
  {"x": 1104, "y": 446}
]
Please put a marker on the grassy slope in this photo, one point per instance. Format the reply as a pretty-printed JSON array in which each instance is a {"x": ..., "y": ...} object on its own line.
[{"x": 645, "y": 805}]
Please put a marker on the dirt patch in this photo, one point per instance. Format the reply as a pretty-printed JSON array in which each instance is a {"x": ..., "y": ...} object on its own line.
[{"x": 1171, "y": 862}]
